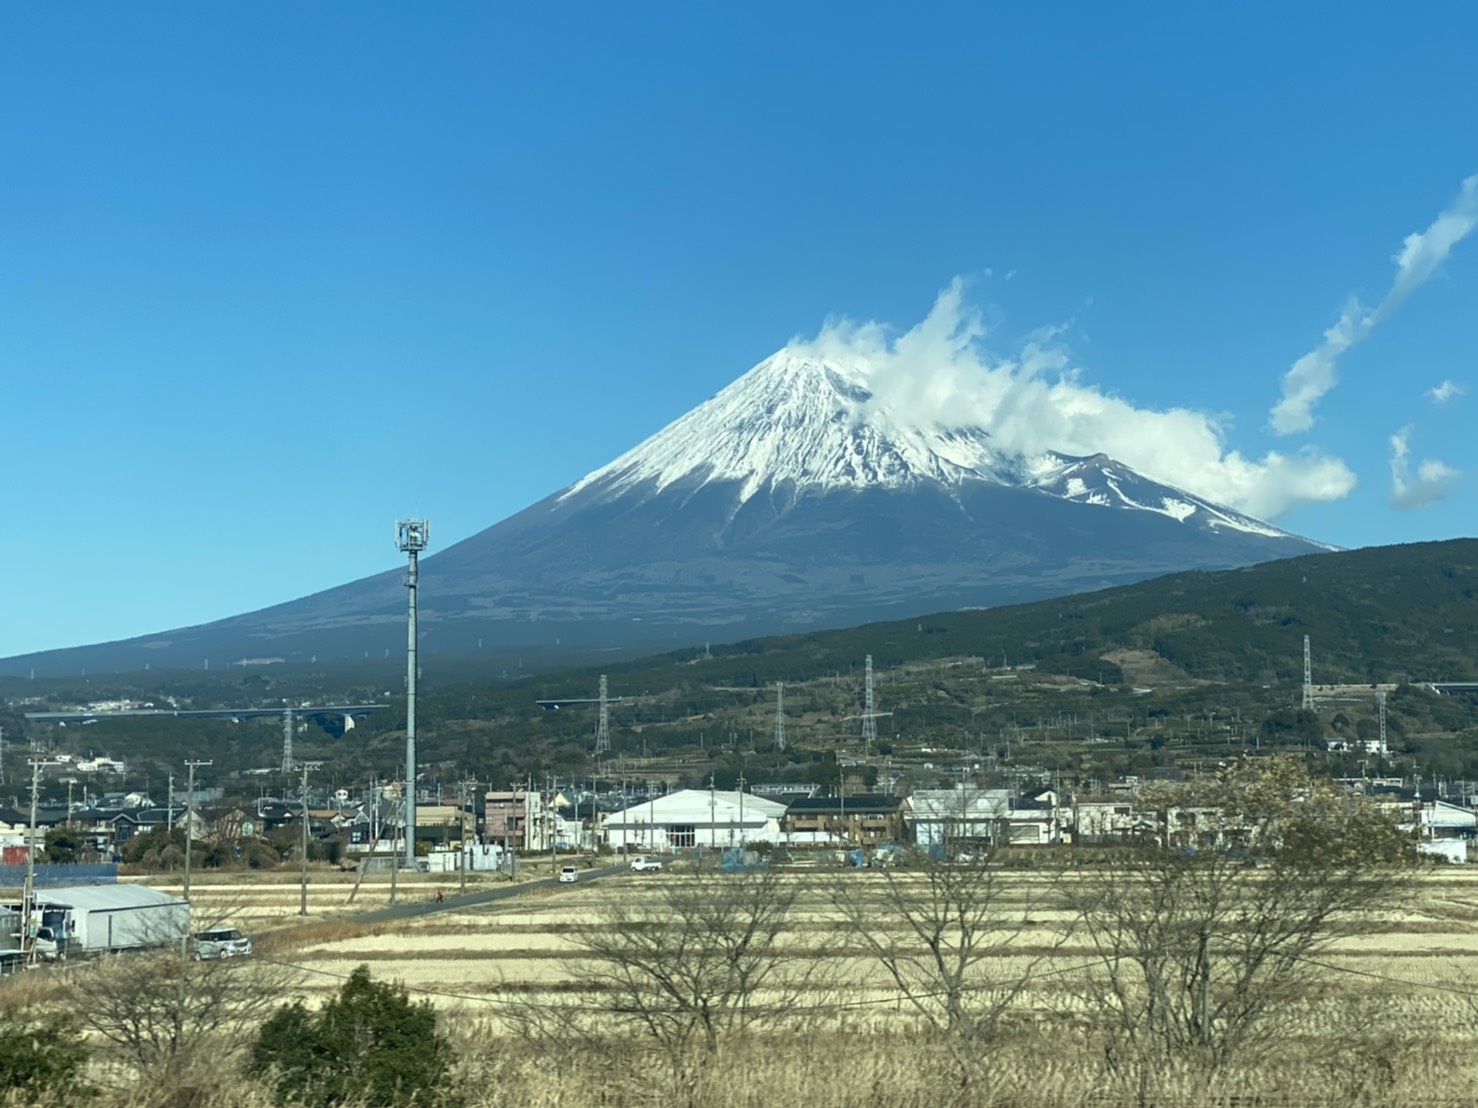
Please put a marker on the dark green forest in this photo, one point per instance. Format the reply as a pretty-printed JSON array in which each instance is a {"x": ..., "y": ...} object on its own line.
[{"x": 1126, "y": 680}]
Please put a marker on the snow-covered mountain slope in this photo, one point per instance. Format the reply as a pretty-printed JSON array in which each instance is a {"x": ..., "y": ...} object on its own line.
[
  {"x": 794, "y": 421},
  {"x": 808, "y": 427},
  {"x": 792, "y": 499}
]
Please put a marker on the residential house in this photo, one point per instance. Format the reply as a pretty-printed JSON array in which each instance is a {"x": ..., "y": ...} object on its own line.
[{"x": 866, "y": 819}]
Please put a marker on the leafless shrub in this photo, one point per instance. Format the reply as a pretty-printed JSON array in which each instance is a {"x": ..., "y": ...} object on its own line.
[
  {"x": 948, "y": 935},
  {"x": 1203, "y": 948},
  {"x": 166, "y": 1017},
  {"x": 686, "y": 967}
]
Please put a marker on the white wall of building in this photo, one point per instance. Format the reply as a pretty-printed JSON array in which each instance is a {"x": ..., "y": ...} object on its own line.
[{"x": 694, "y": 817}]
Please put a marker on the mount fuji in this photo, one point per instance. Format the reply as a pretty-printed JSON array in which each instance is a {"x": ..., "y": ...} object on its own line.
[{"x": 793, "y": 499}]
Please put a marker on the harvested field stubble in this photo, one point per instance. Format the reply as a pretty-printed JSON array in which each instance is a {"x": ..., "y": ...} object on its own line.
[{"x": 1389, "y": 1018}]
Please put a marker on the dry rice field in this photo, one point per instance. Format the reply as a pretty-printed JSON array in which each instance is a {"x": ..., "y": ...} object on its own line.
[
  {"x": 1392, "y": 1018},
  {"x": 525, "y": 943}
]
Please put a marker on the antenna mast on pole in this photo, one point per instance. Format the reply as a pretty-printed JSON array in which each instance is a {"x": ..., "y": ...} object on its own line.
[
  {"x": 411, "y": 537},
  {"x": 780, "y": 716},
  {"x": 603, "y": 727}
]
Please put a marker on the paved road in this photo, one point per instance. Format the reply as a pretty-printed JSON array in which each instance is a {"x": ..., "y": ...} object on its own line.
[{"x": 425, "y": 906}]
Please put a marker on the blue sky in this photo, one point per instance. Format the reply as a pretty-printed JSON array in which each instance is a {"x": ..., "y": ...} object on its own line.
[{"x": 273, "y": 275}]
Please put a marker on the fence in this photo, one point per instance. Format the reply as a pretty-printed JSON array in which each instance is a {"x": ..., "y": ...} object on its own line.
[{"x": 54, "y": 875}]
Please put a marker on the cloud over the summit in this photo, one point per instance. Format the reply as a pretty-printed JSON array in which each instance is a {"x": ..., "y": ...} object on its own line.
[
  {"x": 1314, "y": 374},
  {"x": 938, "y": 374},
  {"x": 1433, "y": 480}
]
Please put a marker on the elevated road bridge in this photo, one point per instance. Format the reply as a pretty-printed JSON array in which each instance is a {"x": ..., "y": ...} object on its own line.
[{"x": 312, "y": 711}]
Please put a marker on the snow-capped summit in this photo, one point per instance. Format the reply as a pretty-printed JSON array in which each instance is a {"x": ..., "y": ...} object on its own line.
[
  {"x": 794, "y": 498},
  {"x": 794, "y": 422},
  {"x": 796, "y": 426}
]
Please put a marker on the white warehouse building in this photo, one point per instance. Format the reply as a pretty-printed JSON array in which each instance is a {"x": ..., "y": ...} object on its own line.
[{"x": 695, "y": 817}]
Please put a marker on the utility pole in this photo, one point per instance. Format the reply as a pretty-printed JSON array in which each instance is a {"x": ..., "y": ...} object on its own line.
[
  {"x": 469, "y": 787},
  {"x": 594, "y": 849},
  {"x": 411, "y": 536},
  {"x": 304, "y": 767},
  {"x": 28, "y": 896},
  {"x": 169, "y": 805},
  {"x": 2, "y": 755},
  {"x": 741, "y": 809},
  {"x": 189, "y": 801}
]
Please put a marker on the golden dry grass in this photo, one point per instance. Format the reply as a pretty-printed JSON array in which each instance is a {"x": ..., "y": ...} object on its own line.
[{"x": 1391, "y": 1022}]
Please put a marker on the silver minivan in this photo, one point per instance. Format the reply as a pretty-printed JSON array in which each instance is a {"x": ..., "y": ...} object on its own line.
[{"x": 221, "y": 942}]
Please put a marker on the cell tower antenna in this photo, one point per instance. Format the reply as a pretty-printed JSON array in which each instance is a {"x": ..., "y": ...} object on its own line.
[
  {"x": 780, "y": 716},
  {"x": 411, "y": 537},
  {"x": 1380, "y": 703},
  {"x": 603, "y": 726},
  {"x": 287, "y": 741},
  {"x": 869, "y": 714},
  {"x": 1308, "y": 678}
]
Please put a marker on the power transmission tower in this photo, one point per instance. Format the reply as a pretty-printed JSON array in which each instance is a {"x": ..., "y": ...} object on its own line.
[
  {"x": 603, "y": 727},
  {"x": 869, "y": 716},
  {"x": 411, "y": 537},
  {"x": 780, "y": 716},
  {"x": 1308, "y": 678},
  {"x": 304, "y": 767},
  {"x": 287, "y": 741}
]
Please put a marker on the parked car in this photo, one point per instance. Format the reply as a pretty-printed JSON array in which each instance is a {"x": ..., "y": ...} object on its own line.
[
  {"x": 221, "y": 942},
  {"x": 568, "y": 874},
  {"x": 642, "y": 864}
]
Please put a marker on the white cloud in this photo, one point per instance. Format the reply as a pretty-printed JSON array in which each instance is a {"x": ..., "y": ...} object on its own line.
[
  {"x": 1314, "y": 374},
  {"x": 1433, "y": 479},
  {"x": 1444, "y": 392},
  {"x": 938, "y": 375}
]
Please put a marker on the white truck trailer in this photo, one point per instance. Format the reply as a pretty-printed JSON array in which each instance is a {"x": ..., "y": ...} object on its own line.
[{"x": 96, "y": 919}]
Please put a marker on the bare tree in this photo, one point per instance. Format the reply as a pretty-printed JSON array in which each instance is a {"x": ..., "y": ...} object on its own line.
[
  {"x": 696, "y": 960},
  {"x": 160, "y": 1010},
  {"x": 156, "y": 1009},
  {"x": 1203, "y": 944},
  {"x": 948, "y": 934}
]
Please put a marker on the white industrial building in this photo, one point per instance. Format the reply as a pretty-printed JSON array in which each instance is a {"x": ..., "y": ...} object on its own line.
[{"x": 695, "y": 817}]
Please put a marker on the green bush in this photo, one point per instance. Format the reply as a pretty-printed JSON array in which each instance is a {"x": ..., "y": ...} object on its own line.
[
  {"x": 44, "y": 1057},
  {"x": 369, "y": 1045}
]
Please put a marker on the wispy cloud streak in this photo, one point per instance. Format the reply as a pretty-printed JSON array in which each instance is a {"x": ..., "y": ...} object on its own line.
[
  {"x": 1433, "y": 479},
  {"x": 1444, "y": 392},
  {"x": 1421, "y": 253}
]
